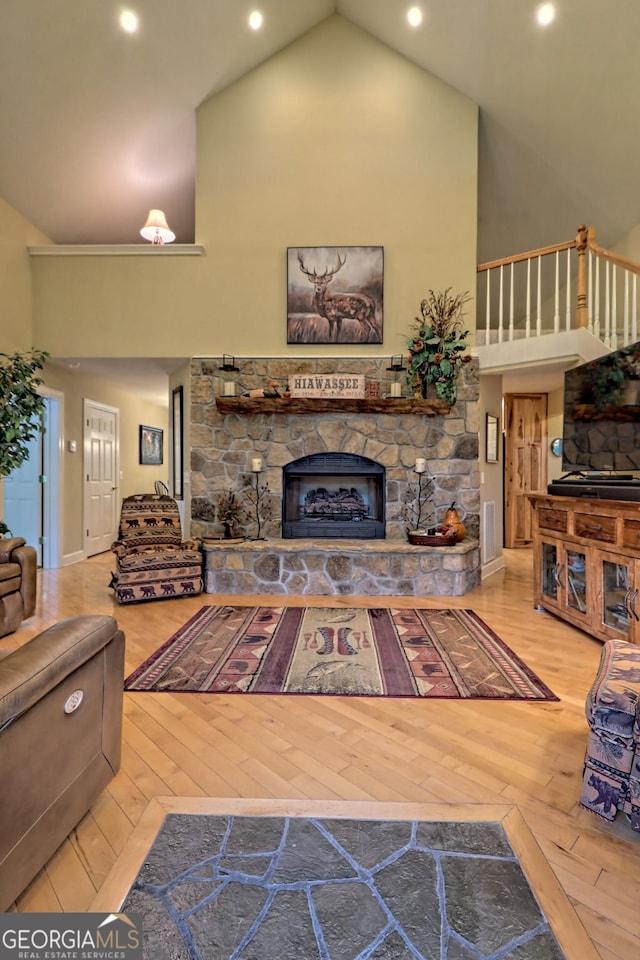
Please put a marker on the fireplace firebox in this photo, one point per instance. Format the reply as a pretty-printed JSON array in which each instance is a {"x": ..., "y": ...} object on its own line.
[{"x": 334, "y": 495}]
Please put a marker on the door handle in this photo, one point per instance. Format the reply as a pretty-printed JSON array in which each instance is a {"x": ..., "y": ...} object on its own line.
[{"x": 632, "y": 604}]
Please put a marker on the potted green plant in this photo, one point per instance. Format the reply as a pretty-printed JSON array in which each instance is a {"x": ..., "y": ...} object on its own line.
[
  {"x": 229, "y": 513},
  {"x": 21, "y": 409},
  {"x": 437, "y": 345}
]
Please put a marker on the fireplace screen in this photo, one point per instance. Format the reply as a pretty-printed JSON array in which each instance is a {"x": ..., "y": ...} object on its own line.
[{"x": 333, "y": 495}]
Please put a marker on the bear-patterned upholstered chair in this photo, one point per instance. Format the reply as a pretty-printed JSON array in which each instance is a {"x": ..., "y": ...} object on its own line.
[
  {"x": 611, "y": 774},
  {"x": 152, "y": 560}
]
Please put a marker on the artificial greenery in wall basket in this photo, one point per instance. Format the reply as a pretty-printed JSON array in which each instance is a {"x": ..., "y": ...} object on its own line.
[{"x": 437, "y": 345}]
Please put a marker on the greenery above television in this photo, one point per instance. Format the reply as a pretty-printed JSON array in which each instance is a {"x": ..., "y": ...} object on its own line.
[{"x": 602, "y": 414}]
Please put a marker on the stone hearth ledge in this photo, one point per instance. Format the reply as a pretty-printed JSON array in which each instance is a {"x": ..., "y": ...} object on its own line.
[{"x": 366, "y": 568}]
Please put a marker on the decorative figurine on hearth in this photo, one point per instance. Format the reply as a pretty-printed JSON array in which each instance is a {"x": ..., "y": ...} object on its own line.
[
  {"x": 271, "y": 390},
  {"x": 452, "y": 523}
]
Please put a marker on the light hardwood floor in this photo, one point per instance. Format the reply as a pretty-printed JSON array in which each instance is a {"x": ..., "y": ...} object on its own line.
[{"x": 525, "y": 755}]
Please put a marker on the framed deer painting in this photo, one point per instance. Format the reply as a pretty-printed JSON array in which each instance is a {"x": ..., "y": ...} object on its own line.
[{"x": 334, "y": 294}]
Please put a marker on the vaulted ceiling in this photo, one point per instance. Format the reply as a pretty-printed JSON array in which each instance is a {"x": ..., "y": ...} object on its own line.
[{"x": 97, "y": 126}]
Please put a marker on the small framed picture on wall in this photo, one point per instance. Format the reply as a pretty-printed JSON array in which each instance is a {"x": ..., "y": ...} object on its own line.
[
  {"x": 492, "y": 439},
  {"x": 176, "y": 416},
  {"x": 151, "y": 445}
]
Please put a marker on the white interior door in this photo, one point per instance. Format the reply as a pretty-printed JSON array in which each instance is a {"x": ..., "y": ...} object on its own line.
[{"x": 101, "y": 448}]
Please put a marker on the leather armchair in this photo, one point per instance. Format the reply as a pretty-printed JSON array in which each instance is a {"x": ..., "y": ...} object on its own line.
[
  {"x": 18, "y": 568},
  {"x": 60, "y": 739}
]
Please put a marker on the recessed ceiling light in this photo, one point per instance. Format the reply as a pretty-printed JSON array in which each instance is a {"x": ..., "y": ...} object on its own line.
[
  {"x": 414, "y": 16},
  {"x": 129, "y": 21},
  {"x": 545, "y": 14},
  {"x": 255, "y": 20}
]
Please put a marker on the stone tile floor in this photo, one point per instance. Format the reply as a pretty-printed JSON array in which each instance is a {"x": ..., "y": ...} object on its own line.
[{"x": 298, "y": 888}]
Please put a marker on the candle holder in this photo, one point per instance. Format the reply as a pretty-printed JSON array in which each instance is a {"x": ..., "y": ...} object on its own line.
[
  {"x": 228, "y": 363},
  {"x": 258, "y": 496},
  {"x": 397, "y": 362},
  {"x": 417, "y": 506}
]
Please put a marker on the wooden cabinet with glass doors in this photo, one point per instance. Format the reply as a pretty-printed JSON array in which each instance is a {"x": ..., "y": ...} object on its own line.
[{"x": 587, "y": 564}]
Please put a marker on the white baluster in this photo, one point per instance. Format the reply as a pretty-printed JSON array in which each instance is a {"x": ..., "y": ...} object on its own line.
[
  {"x": 488, "y": 308},
  {"x": 634, "y": 308},
  {"x": 596, "y": 301},
  {"x": 614, "y": 307},
  {"x": 556, "y": 302},
  {"x": 590, "y": 291},
  {"x": 511, "y": 305},
  {"x": 568, "y": 307},
  {"x": 528, "y": 304},
  {"x": 501, "y": 307},
  {"x": 607, "y": 305},
  {"x": 539, "y": 298},
  {"x": 625, "y": 316}
]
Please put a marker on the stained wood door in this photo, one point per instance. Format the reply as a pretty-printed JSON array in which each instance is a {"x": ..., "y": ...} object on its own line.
[{"x": 525, "y": 462}]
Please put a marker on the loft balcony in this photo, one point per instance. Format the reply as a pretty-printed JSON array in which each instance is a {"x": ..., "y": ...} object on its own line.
[{"x": 555, "y": 306}]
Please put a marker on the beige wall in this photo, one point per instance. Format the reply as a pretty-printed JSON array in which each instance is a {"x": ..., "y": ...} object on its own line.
[
  {"x": 16, "y": 327},
  {"x": 335, "y": 141},
  {"x": 16, "y": 234},
  {"x": 629, "y": 246},
  {"x": 76, "y": 387},
  {"x": 555, "y": 425}
]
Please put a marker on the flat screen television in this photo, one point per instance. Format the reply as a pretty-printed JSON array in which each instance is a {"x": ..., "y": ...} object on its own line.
[{"x": 601, "y": 431}]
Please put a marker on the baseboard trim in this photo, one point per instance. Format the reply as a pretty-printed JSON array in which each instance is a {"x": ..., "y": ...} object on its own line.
[
  {"x": 70, "y": 558},
  {"x": 493, "y": 566}
]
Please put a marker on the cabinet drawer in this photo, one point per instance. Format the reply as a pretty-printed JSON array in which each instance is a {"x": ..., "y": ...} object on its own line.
[
  {"x": 553, "y": 520},
  {"x": 602, "y": 529},
  {"x": 631, "y": 534}
]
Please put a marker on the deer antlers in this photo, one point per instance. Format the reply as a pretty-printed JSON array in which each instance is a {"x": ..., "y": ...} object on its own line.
[{"x": 327, "y": 275}]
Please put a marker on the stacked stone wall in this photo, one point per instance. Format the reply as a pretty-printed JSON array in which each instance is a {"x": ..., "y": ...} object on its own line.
[
  {"x": 224, "y": 444},
  {"x": 345, "y": 568}
]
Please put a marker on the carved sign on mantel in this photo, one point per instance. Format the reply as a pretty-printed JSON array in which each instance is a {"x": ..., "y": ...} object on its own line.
[
  {"x": 337, "y": 386},
  {"x": 311, "y": 405}
]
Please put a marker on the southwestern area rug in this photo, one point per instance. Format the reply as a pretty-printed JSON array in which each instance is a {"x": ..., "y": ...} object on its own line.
[{"x": 444, "y": 653}]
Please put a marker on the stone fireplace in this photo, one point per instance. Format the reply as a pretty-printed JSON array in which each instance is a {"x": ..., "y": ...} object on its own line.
[{"x": 335, "y": 484}]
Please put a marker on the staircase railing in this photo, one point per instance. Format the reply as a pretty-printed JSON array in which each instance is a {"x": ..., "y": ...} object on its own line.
[{"x": 565, "y": 286}]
